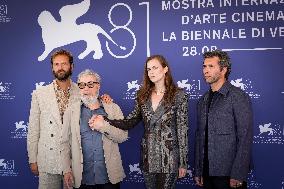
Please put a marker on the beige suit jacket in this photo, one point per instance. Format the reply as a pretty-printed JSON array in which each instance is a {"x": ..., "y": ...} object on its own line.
[
  {"x": 45, "y": 143},
  {"x": 111, "y": 137}
]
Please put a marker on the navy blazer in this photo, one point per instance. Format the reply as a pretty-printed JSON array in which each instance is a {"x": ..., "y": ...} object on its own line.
[{"x": 230, "y": 125}]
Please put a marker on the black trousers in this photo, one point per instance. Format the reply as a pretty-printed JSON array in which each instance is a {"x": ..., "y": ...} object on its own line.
[
  {"x": 160, "y": 180},
  {"x": 214, "y": 182},
  {"x": 101, "y": 186}
]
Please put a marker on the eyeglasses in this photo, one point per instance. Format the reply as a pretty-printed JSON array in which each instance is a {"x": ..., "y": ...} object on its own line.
[{"x": 90, "y": 84}]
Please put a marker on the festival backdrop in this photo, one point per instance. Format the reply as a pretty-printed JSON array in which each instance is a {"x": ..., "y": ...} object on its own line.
[{"x": 114, "y": 37}]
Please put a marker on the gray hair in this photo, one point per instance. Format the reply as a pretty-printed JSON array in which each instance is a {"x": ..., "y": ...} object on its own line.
[{"x": 89, "y": 72}]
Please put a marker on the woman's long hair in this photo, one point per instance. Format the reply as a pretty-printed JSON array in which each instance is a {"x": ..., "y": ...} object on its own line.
[{"x": 148, "y": 86}]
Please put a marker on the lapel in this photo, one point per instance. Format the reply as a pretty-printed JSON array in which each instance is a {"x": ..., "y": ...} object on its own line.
[
  {"x": 160, "y": 111},
  {"x": 76, "y": 109},
  {"x": 205, "y": 101},
  {"x": 74, "y": 95},
  {"x": 53, "y": 106},
  {"x": 74, "y": 105}
]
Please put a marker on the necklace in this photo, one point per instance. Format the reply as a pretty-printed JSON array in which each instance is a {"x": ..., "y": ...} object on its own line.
[{"x": 159, "y": 92}]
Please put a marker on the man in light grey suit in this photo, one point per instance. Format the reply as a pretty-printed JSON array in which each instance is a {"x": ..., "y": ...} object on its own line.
[
  {"x": 47, "y": 120},
  {"x": 224, "y": 128}
]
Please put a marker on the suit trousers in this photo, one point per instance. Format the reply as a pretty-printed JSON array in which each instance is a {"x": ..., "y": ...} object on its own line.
[
  {"x": 219, "y": 182},
  {"x": 50, "y": 181},
  {"x": 160, "y": 180}
]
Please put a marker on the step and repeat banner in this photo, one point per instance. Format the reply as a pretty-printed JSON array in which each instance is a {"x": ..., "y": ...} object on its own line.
[{"x": 114, "y": 37}]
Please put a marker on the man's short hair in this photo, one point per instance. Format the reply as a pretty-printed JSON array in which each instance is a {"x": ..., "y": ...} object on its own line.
[{"x": 62, "y": 52}]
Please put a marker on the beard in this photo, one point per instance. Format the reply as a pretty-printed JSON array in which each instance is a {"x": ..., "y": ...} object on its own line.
[
  {"x": 213, "y": 79},
  {"x": 88, "y": 99},
  {"x": 62, "y": 75}
]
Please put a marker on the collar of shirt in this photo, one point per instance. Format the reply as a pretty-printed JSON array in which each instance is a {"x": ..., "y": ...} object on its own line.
[
  {"x": 58, "y": 89},
  {"x": 223, "y": 90}
]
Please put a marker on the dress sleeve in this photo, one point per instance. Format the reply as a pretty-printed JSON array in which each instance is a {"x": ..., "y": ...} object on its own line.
[
  {"x": 130, "y": 121},
  {"x": 115, "y": 134},
  {"x": 182, "y": 128}
]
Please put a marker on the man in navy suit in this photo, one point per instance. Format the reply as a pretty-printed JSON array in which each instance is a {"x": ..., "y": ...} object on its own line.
[{"x": 224, "y": 132}]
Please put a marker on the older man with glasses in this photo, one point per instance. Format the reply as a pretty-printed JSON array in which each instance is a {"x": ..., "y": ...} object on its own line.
[{"x": 96, "y": 147}]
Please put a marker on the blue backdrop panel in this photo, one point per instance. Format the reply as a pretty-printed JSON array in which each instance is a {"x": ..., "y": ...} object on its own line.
[{"x": 114, "y": 38}]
